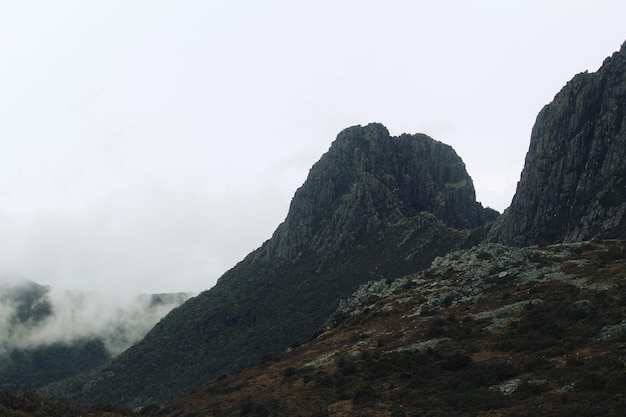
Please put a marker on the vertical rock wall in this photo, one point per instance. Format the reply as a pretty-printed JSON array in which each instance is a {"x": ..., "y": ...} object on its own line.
[{"x": 573, "y": 186}]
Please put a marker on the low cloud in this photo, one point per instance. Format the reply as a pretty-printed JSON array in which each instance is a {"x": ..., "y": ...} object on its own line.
[{"x": 33, "y": 316}]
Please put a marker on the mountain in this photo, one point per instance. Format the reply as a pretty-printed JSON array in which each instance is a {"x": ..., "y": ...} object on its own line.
[
  {"x": 486, "y": 330},
  {"x": 490, "y": 331},
  {"x": 573, "y": 186},
  {"x": 374, "y": 206},
  {"x": 369, "y": 180},
  {"x": 47, "y": 334}
]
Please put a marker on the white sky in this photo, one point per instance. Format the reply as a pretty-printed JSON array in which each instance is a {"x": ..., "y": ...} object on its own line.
[{"x": 150, "y": 145}]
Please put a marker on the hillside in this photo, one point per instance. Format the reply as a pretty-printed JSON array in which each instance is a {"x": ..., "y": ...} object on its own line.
[
  {"x": 492, "y": 331},
  {"x": 374, "y": 206},
  {"x": 29, "y": 403}
]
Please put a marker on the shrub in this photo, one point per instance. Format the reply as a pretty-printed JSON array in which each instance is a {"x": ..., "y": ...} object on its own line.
[{"x": 456, "y": 362}]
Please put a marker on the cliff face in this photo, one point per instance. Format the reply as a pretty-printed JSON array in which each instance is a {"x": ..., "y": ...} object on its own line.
[
  {"x": 573, "y": 186},
  {"x": 373, "y": 207},
  {"x": 369, "y": 180}
]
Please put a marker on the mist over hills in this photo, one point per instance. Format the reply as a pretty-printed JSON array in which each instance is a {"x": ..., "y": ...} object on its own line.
[
  {"x": 47, "y": 334},
  {"x": 377, "y": 208}
]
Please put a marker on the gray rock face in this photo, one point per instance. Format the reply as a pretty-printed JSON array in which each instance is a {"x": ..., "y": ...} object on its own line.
[
  {"x": 368, "y": 180},
  {"x": 573, "y": 186}
]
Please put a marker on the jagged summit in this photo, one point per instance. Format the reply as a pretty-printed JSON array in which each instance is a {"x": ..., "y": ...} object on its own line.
[
  {"x": 368, "y": 180},
  {"x": 573, "y": 186},
  {"x": 373, "y": 207}
]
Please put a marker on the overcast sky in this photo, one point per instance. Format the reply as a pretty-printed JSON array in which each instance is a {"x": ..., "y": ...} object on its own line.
[{"x": 150, "y": 145}]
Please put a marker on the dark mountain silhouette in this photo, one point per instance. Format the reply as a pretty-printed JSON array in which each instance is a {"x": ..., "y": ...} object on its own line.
[
  {"x": 374, "y": 206},
  {"x": 573, "y": 186}
]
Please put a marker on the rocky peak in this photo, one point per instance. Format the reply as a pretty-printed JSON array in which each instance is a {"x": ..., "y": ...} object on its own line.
[
  {"x": 368, "y": 180},
  {"x": 373, "y": 207},
  {"x": 573, "y": 186}
]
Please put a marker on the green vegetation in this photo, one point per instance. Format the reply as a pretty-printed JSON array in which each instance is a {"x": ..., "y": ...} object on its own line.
[
  {"x": 31, "y": 404},
  {"x": 23, "y": 368},
  {"x": 32, "y": 368}
]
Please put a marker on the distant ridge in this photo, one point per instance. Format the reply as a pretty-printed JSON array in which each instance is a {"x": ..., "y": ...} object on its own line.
[{"x": 373, "y": 207}]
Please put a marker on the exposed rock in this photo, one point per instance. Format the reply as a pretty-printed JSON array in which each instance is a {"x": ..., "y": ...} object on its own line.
[
  {"x": 573, "y": 186},
  {"x": 368, "y": 180},
  {"x": 463, "y": 276},
  {"x": 507, "y": 387}
]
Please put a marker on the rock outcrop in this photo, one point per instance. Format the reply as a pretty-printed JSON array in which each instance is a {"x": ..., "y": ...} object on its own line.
[
  {"x": 369, "y": 180},
  {"x": 573, "y": 186},
  {"x": 373, "y": 207}
]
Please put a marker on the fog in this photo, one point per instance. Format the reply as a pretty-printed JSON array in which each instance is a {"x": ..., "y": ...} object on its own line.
[
  {"x": 33, "y": 316},
  {"x": 150, "y": 145}
]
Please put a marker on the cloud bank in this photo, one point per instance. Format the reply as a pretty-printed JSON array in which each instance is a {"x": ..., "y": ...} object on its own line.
[{"x": 33, "y": 316}]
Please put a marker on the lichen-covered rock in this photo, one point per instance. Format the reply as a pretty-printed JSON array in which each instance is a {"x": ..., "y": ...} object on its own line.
[{"x": 573, "y": 186}]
